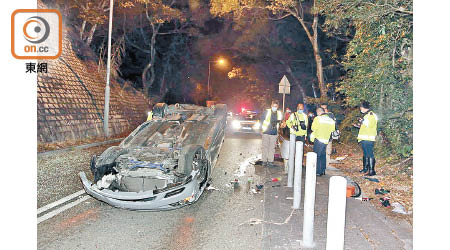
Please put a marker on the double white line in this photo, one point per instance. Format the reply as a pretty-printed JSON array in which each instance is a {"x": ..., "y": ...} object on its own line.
[{"x": 57, "y": 211}]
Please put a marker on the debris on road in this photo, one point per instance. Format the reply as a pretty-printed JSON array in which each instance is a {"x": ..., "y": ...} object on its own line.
[
  {"x": 211, "y": 188},
  {"x": 276, "y": 179},
  {"x": 364, "y": 198},
  {"x": 235, "y": 183},
  {"x": 385, "y": 202},
  {"x": 372, "y": 179},
  {"x": 256, "y": 221},
  {"x": 289, "y": 198},
  {"x": 259, "y": 187},
  {"x": 341, "y": 158},
  {"x": 399, "y": 208},
  {"x": 381, "y": 191}
]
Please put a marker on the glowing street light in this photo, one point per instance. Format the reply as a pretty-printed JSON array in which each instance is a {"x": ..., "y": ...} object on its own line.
[{"x": 220, "y": 61}]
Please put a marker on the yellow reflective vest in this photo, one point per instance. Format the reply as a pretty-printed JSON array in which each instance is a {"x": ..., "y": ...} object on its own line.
[
  {"x": 266, "y": 121},
  {"x": 150, "y": 115},
  {"x": 294, "y": 119},
  {"x": 368, "y": 129},
  {"x": 322, "y": 127}
]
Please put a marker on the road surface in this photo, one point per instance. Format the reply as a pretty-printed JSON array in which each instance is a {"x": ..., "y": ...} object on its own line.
[{"x": 216, "y": 221}]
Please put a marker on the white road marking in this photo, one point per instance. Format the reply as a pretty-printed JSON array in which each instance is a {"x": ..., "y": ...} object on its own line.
[
  {"x": 61, "y": 209},
  {"x": 59, "y": 202}
]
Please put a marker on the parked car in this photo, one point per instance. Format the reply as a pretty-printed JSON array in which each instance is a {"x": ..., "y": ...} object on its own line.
[
  {"x": 165, "y": 163},
  {"x": 247, "y": 122}
]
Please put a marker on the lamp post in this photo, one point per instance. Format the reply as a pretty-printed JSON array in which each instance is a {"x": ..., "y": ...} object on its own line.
[
  {"x": 220, "y": 61},
  {"x": 108, "y": 71}
]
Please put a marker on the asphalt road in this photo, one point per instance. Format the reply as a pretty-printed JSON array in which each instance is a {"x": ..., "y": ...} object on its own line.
[{"x": 216, "y": 221}]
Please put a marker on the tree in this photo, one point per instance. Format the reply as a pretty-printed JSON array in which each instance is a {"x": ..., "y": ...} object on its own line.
[
  {"x": 157, "y": 12},
  {"x": 281, "y": 9},
  {"x": 378, "y": 61},
  {"x": 91, "y": 13}
]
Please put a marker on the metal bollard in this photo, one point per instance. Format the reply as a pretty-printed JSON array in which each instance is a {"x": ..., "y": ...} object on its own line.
[
  {"x": 337, "y": 200},
  {"x": 291, "y": 160},
  {"x": 298, "y": 175},
  {"x": 310, "y": 196}
]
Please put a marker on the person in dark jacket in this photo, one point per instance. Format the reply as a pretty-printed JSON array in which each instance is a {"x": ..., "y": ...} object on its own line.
[{"x": 270, "y": 121}]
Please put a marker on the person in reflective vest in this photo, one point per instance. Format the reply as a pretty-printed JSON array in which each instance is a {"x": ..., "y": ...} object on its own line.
[
  {"x": 322, "y": 127},
  {"x": 149, "y": 115},
  {"x": 298, "y": 123},
  {"x": 270, "y": 121},
  {"x": 329, "y": 150},
  {"x": 366, "y": 136}
]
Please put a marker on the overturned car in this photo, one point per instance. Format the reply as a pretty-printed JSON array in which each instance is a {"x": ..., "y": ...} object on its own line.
[{"x": 165, "y": 163}]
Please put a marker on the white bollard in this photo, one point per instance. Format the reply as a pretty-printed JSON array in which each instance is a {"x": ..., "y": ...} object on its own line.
[
  {"x": 291, "y": 160},
  {"x": 310, "y": 196},
  {"x": 298, "y": 174},
  {"x": 337, "y": 201}
]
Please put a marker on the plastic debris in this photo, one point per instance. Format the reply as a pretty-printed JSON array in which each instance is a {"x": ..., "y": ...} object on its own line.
[
  {"x": 259, "y": 186},
  {"x": 372, "y": 179},
  {"x": 235, "y": 183},
  {"x": 276, "y": 179},
  {"x": 399, "y": 208},
  {"x": 381, "y": 191},
  {"x": 364, "y": 198},
  {"x": 289, "y": 198},
  {"x": 385, "y": 202},
  {"x": 341, "y": 158},
  {"x": 211, "y": 188}
]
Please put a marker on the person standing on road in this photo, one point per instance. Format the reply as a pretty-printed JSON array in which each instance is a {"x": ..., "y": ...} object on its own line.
[
  {"x": 298, "y": 123},
  {"x": 324, "y": 106},
  {"x": 149, "y": 115},
  {"x": 283, "y": 124},
  {"x": 308, "y": 131},
  {"x": 322, "y": 127},
  {"x": 270, "y": 121},
  {"x": 367, "y": 134}
]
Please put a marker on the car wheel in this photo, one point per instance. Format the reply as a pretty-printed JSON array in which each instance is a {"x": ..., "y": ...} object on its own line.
[
  {"x": 193, "y": 158},
  {"x": 220, "y": 109}
]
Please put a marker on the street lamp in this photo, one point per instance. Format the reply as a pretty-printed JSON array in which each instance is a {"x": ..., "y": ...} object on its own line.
[
  {"x": 220, "y": 61},
  {"x": 108, "y": 71}
]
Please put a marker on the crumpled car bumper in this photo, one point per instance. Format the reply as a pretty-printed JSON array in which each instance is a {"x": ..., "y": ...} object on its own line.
[{"x": 170, "y": 199}]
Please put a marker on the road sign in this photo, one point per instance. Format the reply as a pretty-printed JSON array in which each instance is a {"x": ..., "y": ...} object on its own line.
[{"x": 284, "y": 87}]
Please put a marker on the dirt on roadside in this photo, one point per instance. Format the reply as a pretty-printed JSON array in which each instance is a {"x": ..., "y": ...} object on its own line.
[{"x": 397, "y": 177}]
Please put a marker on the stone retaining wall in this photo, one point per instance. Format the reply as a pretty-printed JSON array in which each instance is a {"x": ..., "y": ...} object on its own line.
[{"x": 70, "y": 100}]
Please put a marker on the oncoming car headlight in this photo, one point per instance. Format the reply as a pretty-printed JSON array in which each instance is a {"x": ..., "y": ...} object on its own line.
[
  {"x": 236, "y": 124},
  {"x": 257, "y": 125}
]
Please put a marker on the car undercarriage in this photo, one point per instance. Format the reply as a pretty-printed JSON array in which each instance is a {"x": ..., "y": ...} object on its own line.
[{"x": 164, "y": 163}]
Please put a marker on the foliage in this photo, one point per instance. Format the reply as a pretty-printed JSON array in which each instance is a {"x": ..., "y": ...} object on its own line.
[
  {"x": 378, "y": 62},
  {"x": 255, "y": 90},
  {"x": 278, "y": 10}
]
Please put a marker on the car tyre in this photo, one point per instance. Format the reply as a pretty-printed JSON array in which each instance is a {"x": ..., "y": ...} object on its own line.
[{"x": 193, "y": 157}]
